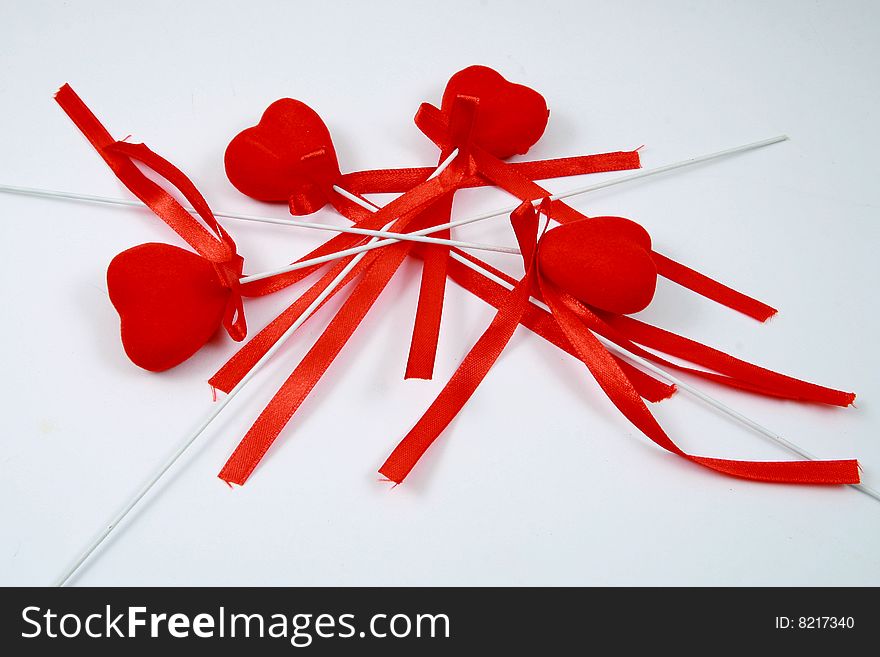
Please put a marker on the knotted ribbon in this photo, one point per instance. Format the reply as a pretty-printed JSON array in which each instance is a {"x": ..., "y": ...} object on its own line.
[{"x": 170, "y": 301}]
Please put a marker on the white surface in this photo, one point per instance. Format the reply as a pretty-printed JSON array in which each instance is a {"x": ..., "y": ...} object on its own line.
[{"x": 540, "y": 480}]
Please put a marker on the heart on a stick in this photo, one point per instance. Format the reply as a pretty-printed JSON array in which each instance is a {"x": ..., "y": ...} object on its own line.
[
  {"x": 170, "y": 303},
  {"x": 287, "y": 157},
  {"x": 511, "y": 117},
  {"x": 604, "y": 262}
]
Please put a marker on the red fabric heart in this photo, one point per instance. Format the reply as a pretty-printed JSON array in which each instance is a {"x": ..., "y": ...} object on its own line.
[
  {"x": 170, "y": 302},
  {"x": 287, "y": 156},
  {"x": 511, "y": 117},
  {"x": 604, "y": 262}
]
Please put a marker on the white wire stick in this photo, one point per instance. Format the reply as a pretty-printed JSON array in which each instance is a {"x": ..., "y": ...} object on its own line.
[
  {"x": 671, "y": 167},
  {"x": 391, "y": 238},
  {"x": 49, "y": 193},
  {"x": 495, "y": 213},
  {"x": 411, "y": 237},
  {"x": 696, "y": 392},
  {"x": 218, "y": 408}
]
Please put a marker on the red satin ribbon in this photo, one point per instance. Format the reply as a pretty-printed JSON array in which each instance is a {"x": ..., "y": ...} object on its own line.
[
  {"x": 423, "y": 347},
  {"x": 456, "y": 133},
  {"x": 435, "y": 259},
  {"x": 629, "y": 333},
  {"x": 541, "y": 322},
  {"x": 406, "y": 206},
  {"x": 398, "y": 181},
  {"x": 432, "y": 122},
  {"x": 404, "y": 180},
  {"x": 281, "y": 408},
  {"x": 568, "y": 327},
  {"x": 300, "y": 383},
  {"x": 568, "y": 313},
  {"x": 432, "y": 291},
  {"x": 476, "y": 364},
  {"x": 413, "y": 206},
  {"x": 408, "y": 180},
  {"x": 217, "y": 247}
]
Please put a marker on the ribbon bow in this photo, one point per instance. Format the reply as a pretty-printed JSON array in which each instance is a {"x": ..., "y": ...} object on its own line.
[{"x": 170, "y": 301}]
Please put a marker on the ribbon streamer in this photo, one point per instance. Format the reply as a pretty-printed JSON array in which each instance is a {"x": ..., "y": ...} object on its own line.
[
  {"x": 568, "y": 312},
  {"x": 431, "y": 121}
]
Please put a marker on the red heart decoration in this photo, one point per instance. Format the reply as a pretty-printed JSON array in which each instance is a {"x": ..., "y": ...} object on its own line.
[
  {"x": 604, "y": 261},
  {"x": 511, "y": 117},
  {"x": 170, "y": 302},
  {"x": 287, "y": 156}
]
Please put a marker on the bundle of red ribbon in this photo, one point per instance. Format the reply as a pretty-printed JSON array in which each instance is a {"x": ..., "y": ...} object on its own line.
[{"x": 590, "y": 272}]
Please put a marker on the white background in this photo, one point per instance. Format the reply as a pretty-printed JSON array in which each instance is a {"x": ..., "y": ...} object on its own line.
[{"x": 539, "y": 480}]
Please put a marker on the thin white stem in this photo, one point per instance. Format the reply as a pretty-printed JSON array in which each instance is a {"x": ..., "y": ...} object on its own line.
[
  {"x": 55, "y": 194},
  {"x": 391, "y": 238},
  {"x": 682, "y": 385},
  {"x": 644, "y": 173},
  {"x": 496, "y": 213}
]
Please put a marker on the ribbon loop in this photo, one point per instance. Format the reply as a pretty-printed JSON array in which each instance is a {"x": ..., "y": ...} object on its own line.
[{"x": 213, "y": 243}]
